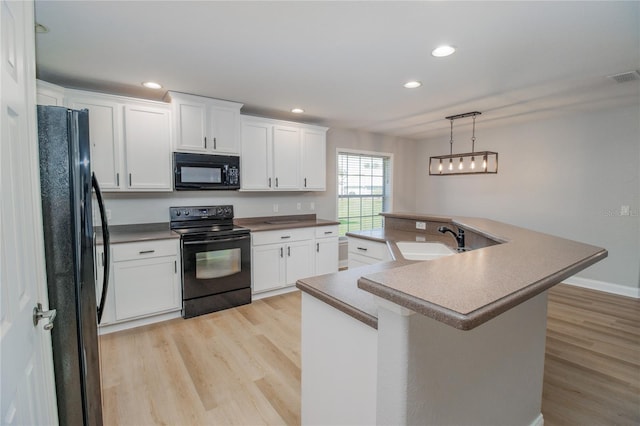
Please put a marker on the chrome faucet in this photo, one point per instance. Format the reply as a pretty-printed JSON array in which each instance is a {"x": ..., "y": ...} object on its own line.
[{"x": 459, "y": 236}]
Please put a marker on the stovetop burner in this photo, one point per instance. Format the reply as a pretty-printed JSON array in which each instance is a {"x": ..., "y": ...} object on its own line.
[{"x": 204, "y": 220}]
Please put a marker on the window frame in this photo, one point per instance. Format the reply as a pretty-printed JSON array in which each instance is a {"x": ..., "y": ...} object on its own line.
[{"x": 387, "y": 198}]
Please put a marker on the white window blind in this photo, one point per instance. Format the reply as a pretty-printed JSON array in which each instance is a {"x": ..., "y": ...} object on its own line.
[{"x": 363, "y": 190}]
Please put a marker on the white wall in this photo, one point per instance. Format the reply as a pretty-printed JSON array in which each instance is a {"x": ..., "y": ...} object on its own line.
[
  {"x": 403, "y": 182},
  {"x": 154, "y": 207},
  {"x": 566, "y": 176}
]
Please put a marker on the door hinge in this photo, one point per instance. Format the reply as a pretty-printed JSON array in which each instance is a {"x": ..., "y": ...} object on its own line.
[{"x": 39, "y": 314}]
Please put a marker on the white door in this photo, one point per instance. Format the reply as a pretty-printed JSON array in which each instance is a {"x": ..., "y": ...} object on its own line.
[
  {"x": 224, "y": 125},
  {"x": 256, "y": 158},
  {"x": 267, "y": 267},
  {"x": 191, "y": 127},
  {"x": 313, "y": 159},
  {"x": 28, "y": 392},
  {"x": 327, "y": 255},
  {"x": 300, "y": 257}
]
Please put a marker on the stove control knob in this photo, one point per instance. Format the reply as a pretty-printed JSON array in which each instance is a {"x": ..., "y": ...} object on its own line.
[
  {"x": 219, "y": 211},
  {"x": 228, "y": 212},
  {"x": 186, "y": 212},
  {"x": 178, "y": 213}
]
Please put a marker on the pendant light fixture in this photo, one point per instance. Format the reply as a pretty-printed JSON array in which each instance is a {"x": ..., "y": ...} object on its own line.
[{"x": 489, "y": 158}]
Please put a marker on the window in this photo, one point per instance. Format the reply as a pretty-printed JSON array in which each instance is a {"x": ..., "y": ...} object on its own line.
[{"x": 364, "y": 190}]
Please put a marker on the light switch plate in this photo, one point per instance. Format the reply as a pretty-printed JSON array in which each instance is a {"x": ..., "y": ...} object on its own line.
[
  {"x": 421, "y": 225},
  {"x": 625, "y": 211}
]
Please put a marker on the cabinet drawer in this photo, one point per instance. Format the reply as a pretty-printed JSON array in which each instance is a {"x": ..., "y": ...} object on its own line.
[
  {"x": 282, "y": 236},
  {"x": 327, "y": 231},
  {"x": 369, "y": 248},
  {"x": 144, "y": 249}
]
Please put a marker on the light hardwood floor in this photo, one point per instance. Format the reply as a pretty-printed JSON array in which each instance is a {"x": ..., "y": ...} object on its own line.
[{"x": 242, "y": 366}]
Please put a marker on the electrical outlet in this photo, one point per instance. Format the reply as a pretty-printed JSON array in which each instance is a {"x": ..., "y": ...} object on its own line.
[
  {"x": 625, "y": 211},
  {"x": 421, "y": 225},
  {"x": 312, "y": 206},
  {"x": 298, "y": 206},
  {"x": 275, "y": 208}
]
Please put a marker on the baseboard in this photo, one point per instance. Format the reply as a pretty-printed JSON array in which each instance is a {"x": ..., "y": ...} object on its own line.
[
  {"x": 621, "y": 290},
  {"x": 277, "y": 292},
  {"x": 125, "y": 325}
]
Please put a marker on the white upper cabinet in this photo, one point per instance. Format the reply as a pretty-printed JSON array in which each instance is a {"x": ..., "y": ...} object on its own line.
[
  {"x": 206, "y": 125},
  {"x": 130, "y": 141},
  {"x": 274, "y": 155},
  {"x": 49, "y": 94},
  {"x": 313, "y": 154},
  {"x": 105, "y": 136},
  {"x": 147, "y": 133},
  {"x": 286, "y": 158}
]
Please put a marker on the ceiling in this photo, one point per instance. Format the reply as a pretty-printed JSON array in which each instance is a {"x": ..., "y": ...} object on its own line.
[{"x": 345, "y": 63}]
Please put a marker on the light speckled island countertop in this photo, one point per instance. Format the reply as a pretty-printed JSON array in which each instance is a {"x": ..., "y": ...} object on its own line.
[{"x": 464, "y": 290}]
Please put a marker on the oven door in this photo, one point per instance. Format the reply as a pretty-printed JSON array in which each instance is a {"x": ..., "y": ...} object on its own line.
[{"x": 215, "y": 265}]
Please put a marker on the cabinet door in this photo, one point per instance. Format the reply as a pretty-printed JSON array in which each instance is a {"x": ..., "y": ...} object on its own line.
[
  {"x": 313, "y": 159},
  {"x": 267, "y": 267},
  {"x": 326, "y": 255},
  {"x": 300, "y": 260},
  {"x": 104, "y": 137},
  {"x": 224, "y": 125},
  {"x": 108, "y": 314},
  {"x": 286, "y": 158},
  {"x": 148, "y": 147},
  {"x": 147, "y": 286},
  {"x": 191, "y": 127},
  {"x": 256, "y": 158}
]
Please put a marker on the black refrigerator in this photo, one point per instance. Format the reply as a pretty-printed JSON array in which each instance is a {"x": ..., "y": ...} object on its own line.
[{"x": 66, "y": 186}]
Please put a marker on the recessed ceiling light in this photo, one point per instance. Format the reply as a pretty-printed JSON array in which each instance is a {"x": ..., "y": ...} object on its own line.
[
  {"x": 152, "y": 85},
  {"x": 297, "y": 110},
  {"x": 442, "y": 51},
  {"x": 412, "y": 84}
]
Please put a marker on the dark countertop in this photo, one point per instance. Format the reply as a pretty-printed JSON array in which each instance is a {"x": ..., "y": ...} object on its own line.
[
  {"x": 467, "y": 289},
  {"x": 137, "y": 232},
  {"x": 272, "y": 223}
]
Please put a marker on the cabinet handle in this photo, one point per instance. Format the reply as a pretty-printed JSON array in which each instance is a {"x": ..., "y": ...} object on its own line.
[
  {"x": 129, "y": 179},
  {"x": 328, "y": 232},
  {"x": 281, "y": 252},
  {"x": 215, "y": 143},
  {"x": 205, "y": 142},
  {"x": 305, "y": 182},
  {"x": 276, "y": 182},
  {"x": 117, "y": 179},
  {"x": 284, "y": 237},
  {"x": 175, "y": 266},
  {"x": 289, "y": 251},
  {"x": 146, "y": 251},
  {"x": 318, "y": 247},
  {"x": 269, "y": 182},
  {"x": 362, "y": 248}
]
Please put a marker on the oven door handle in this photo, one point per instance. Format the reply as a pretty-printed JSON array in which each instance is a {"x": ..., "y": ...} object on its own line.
[{"x": 224, "y": 240}]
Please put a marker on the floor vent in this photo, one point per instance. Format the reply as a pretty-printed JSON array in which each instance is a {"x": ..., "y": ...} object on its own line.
[{"x": 626, "y": 76}]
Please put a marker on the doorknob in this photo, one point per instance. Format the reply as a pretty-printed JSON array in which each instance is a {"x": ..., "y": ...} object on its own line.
[{"x": 39, "y": 314}]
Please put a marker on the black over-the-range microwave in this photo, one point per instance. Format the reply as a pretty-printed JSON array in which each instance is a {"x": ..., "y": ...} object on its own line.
[{"x": 205, "y": 171}]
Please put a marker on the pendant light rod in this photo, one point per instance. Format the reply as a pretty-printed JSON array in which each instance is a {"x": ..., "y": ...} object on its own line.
[{"x": 466, "y": 114}]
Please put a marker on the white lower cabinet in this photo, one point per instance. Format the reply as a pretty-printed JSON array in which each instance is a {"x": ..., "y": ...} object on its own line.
[
  {"x": 144, "y": 280},
  {"x": 326, "y": 249},
  {"x": 367, "y": 252},
  {"x": 280, "y": 258}
]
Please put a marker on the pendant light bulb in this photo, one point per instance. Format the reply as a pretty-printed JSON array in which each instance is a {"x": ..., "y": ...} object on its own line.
[
  {"x": 473, "y": 163},
  {"x": 450, "y": 164},
  {"x": 460, "y": 165},
  {"x": 484, "y": 162},
  {"x": 440, "y": 166}
]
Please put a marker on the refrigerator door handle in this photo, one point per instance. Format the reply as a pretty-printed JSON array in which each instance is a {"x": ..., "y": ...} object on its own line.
[{"x": 106, "y": 248}]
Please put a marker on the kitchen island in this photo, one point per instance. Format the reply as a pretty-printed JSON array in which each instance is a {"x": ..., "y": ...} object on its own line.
[{"x": 455, "y": 340}]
